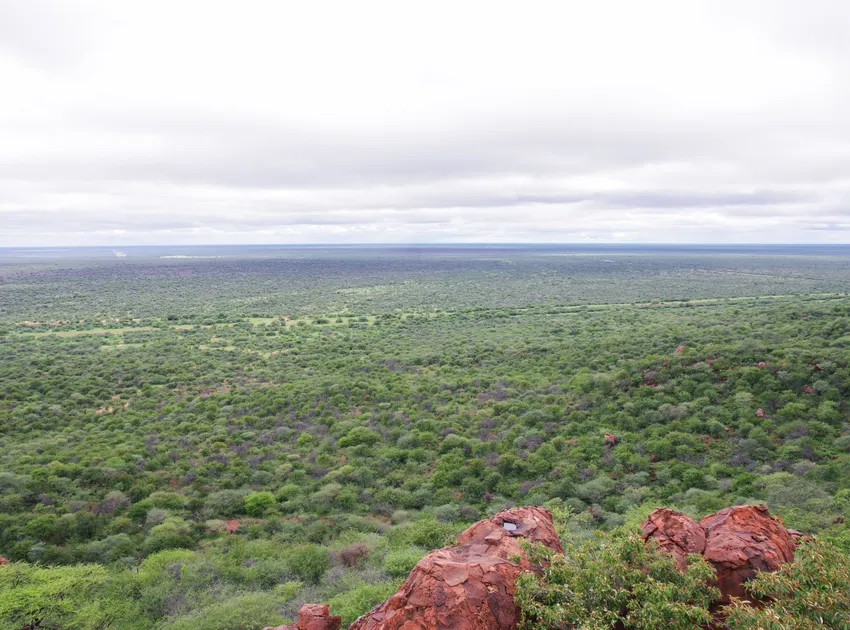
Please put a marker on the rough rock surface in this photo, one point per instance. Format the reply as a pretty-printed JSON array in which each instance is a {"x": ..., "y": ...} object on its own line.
[
  {"x": 470, "y": 586},
  {"x": 675, "y": 532},
  {"x": 737, "y": 541},
  {"x": 742, "y": 540},
  {"x": 312, "y": 617},
  {"x": 500, "y": 534}
]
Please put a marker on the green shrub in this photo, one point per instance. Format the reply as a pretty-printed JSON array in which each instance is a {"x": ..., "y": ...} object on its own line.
[
  {"x": 110, "y": 549},
  {"x": 428, "y": 533},
  {"x": 361, "y": 598},
  {"x": 811, "y": 592},
  {"x": 250, "y": 611},
  {"x": 359, "y": 435},
  {"x": 49, "y": 597},
  {"x": 174, "y": 533},
  {"x": 309, "y": 562},
  {"x": 225, "y": 503},
  {"x": 287, "y": 492},
  {"x": 258, "y": 503},
  {"x": 167, "y": 500},
  {"x": 613, "y": 579},
  {"x": 400, "y": 562}
]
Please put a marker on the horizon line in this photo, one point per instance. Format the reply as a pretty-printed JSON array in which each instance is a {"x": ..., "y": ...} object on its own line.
[{"x": 437, "y": 243}]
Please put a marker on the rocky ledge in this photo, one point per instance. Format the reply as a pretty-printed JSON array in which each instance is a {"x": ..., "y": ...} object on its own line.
[{"x": 471, "y": 585}]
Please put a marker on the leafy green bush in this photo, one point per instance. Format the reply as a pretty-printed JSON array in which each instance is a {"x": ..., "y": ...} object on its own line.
[
  {"x": 250, "y": 611},
  {"x": 359, "y": 435},
  {"x": 309, "y": 562},
  {"x": 225, "y": 503},
  {"x": 360, "y": 598},
  {"x": 427, "y": 532},
  {"x": 613, "y": 579},
  {"x": 167, "y": 500},
  {"x": 258, "y": 503},
  {"x": 48, "y": 597},
  {"x": 811, "y": 592},
  {"x": 174, "y": 533},
  {"x": 111, "y": 549},
  {"x": 400, "y": 562}
]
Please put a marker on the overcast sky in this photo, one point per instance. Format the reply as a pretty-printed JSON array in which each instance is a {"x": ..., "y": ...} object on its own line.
[{"x": 145, "y": 122}]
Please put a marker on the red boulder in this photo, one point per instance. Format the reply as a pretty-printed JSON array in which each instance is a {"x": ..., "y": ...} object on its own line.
[
  {"x": 675, "y": 532},
  {"x": 470, "y": 586},
  {"x": 742, "y": 540},
  {"x": 312, "y": 617},
  {"x": 499, "y": 535},
  {"x": 451, "y": 588}
]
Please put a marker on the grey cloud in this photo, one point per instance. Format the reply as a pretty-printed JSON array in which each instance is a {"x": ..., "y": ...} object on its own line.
[{"x": 552, "y": 147}]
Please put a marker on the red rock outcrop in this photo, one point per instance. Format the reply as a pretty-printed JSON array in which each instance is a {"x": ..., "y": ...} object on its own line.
[
  {"x": 3, "y": 560},
  {"x": 675, "y": 532},
  {"x": 500, "y": 534},
  {"x": 312, "y": 617},
  {"x": 737, "y": 541},
  {"x": 742, "y": 540},
  {"x": 470, "y": 586}
]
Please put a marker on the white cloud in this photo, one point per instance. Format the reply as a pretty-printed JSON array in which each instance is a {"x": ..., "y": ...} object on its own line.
[{"x": 133, "y": 123}]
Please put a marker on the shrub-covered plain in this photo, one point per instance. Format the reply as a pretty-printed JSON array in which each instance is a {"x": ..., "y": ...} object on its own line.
[{"x": 209, "y": 442}]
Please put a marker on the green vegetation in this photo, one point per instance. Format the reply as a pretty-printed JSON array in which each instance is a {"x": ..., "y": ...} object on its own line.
[
  {"x": 614, "y": 580},
  {"x": 611, "y": 580},
  {"x": 812, "y": 592},
  {"x": 224, "y": 439}
]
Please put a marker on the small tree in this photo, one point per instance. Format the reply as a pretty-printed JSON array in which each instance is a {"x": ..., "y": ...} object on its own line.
[
  {"x": 309, "y": 562},
  {"x": 258, "y": 503}
]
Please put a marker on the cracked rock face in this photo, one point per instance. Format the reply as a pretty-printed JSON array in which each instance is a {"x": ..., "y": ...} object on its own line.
[
  {"x": 470, "y": 586},
  {"x": 737, "y": 541},
  {"x": 499, "y": 535},
  {"x": 675, "y": 532},
  {"x": 742, "y": 540}
]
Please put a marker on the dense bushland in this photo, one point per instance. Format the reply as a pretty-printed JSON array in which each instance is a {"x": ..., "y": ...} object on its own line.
[{"x": 247, "y": 462}]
